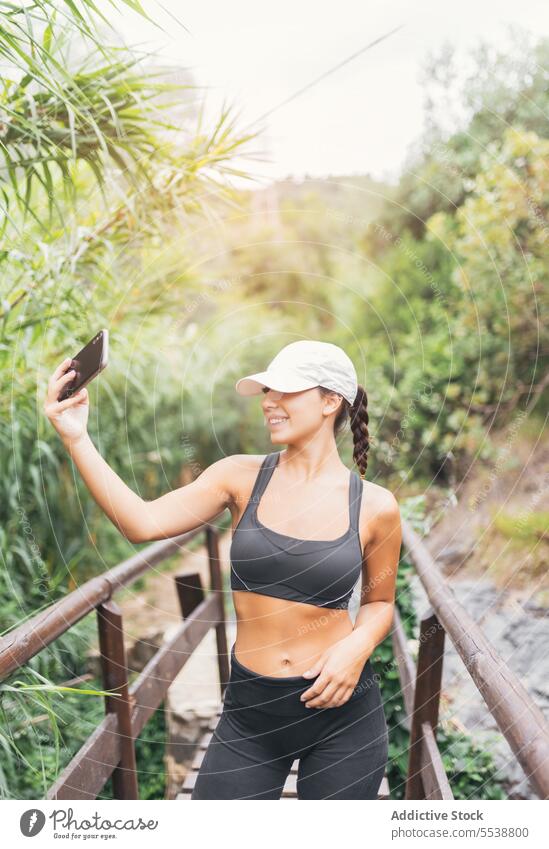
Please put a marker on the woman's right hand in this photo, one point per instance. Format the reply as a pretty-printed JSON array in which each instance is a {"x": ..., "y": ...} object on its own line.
[{"x": 69, "y": 417}]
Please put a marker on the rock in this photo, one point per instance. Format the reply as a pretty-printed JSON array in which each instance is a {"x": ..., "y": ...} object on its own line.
[
  {"x": 452, "y": 554},
  {"x": 143, "y": 649},
  {"x": 93, "y": 663}
]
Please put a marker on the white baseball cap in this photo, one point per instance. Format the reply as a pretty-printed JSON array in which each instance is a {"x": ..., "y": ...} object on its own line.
[{"x": 303, "y": 365}]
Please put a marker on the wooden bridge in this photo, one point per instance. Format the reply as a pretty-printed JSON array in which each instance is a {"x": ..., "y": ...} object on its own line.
[{"x": 110, "y": 749}]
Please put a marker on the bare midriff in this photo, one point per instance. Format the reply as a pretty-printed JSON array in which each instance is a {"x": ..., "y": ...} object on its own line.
[{"x": 276, "y": 637}]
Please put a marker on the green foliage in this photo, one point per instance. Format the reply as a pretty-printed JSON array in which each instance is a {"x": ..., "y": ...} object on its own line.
[
  {"x": 500, "y": 237},
  {"x": 527, "y": 528},
  {"x": 53, "y": 115},
  {"x": 42, "y": 730},
  {"x": 42, "y": 727},
  {"x": 150, "y": 750},
  {"x": 463, "y": 256},
  {"x": 470, "y": 768}
]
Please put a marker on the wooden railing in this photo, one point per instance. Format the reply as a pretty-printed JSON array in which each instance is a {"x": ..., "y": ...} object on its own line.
[
  {"x": 110, "y": 750},
  {"x": 518, "y": 717}
]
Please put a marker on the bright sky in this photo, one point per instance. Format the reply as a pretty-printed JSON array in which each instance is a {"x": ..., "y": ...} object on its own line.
[{"x": 360, "y": 119}]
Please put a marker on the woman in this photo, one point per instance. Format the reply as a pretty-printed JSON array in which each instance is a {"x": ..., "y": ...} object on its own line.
[{"x": 302, "y": 685}]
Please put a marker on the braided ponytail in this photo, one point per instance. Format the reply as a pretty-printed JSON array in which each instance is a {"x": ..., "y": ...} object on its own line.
[
  {"x": 358, "y": 416},
  {"x": 358, "y": 413}
]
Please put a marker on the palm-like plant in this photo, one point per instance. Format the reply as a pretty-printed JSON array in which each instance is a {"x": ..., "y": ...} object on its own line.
[{"x": 107, "y": 108}]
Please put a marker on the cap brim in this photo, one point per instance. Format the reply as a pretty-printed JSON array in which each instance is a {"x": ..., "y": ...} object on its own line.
[{"x": 278, "y": 380}]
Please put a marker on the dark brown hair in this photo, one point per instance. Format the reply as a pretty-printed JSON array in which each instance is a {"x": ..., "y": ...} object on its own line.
[{"x": 357, "y": 414}]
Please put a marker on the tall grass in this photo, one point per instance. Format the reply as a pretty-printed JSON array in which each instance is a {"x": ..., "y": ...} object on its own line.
[{"x": 97, "y": 179}]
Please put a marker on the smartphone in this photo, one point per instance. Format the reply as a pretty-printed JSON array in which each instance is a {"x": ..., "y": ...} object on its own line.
[{"x": 88, "y": 363}]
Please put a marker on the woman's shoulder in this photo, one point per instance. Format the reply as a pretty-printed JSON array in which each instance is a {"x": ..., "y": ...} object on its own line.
[
  {"x": 379, "y": 514},
  {"x": 381, "y": 499},
  {"x": 240, "y": 471},
  {"x": 245, "y": 462}
]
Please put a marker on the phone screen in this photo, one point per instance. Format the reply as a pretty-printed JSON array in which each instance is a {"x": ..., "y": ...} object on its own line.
[{"x": 88, "y": 363}]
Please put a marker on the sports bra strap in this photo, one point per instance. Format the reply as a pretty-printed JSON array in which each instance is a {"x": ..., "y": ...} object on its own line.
[
  {"x": 355, "y": 499},
  {"x": 266, "y": 471},
  {"x": 263, "y": 477}
]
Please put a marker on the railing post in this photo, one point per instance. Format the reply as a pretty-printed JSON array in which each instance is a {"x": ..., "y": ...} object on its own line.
[
  {"x": 189, "y": 592},
  {"x": 216, "y": 583},
  {"x": 115, "y": 677},
  {"x": 426, "y": 697}
]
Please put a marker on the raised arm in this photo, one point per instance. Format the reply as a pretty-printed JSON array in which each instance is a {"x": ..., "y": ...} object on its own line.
[
  {"x": 138, "y": 520},
  {"x": 191, "y": 505}
]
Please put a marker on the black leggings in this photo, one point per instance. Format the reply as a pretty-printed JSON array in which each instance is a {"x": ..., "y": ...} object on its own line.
[{"x": 264, "y": 727}]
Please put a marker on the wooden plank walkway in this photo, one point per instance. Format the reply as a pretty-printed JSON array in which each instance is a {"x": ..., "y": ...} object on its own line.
[{"x": 290, "y": 788}]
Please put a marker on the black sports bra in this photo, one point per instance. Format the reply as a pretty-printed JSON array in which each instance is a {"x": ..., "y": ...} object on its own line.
[{"x": 319, "y": 572}]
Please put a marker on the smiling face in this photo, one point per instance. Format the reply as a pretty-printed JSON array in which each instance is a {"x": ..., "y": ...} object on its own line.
[{"x": 295, "y": 416}]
